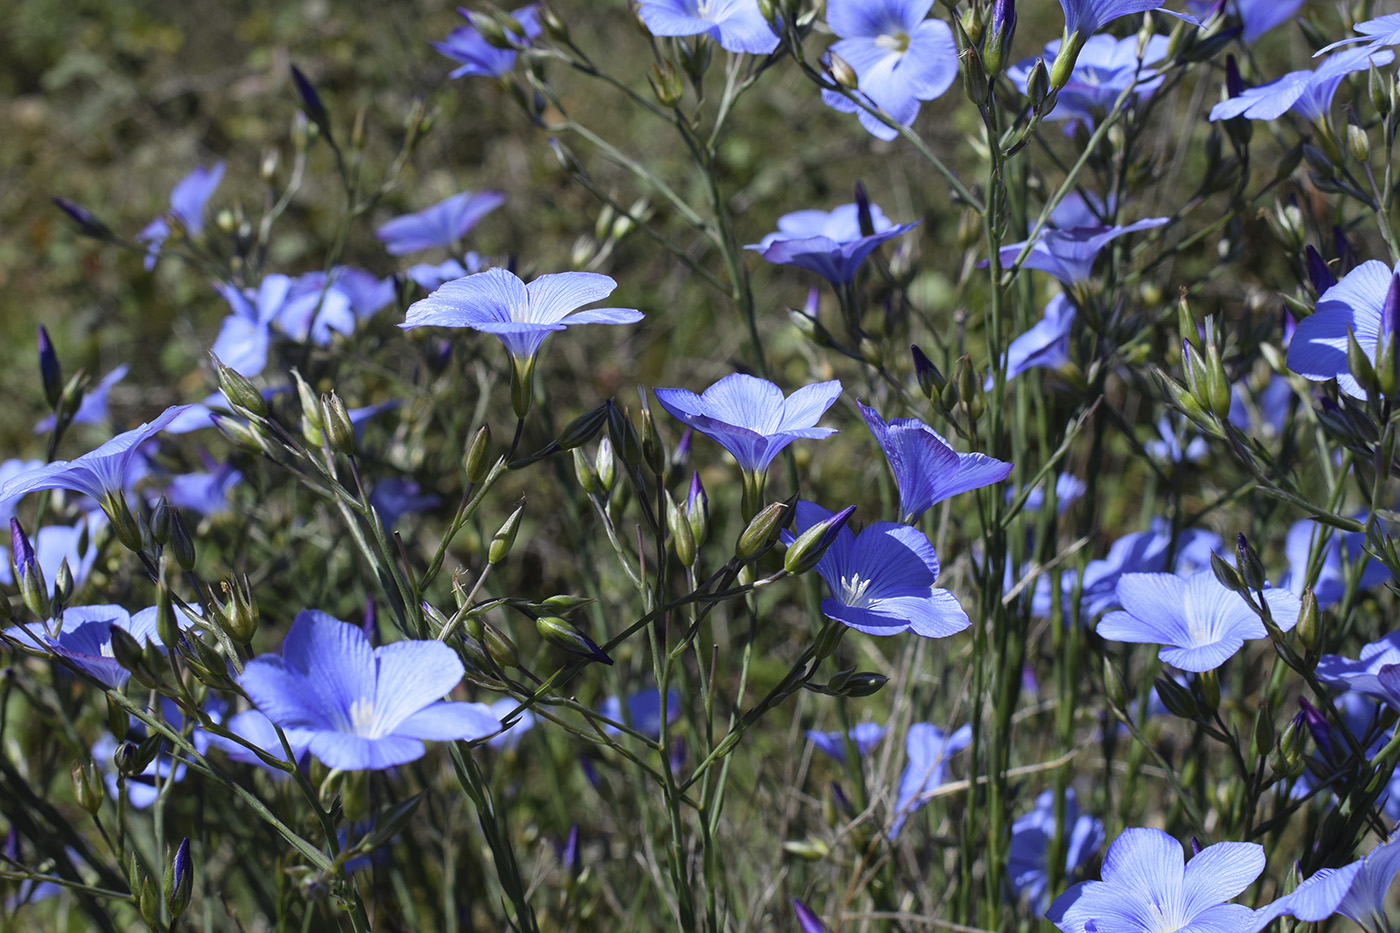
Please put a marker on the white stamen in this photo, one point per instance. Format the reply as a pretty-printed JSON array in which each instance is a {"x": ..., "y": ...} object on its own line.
[
  {"x": 853, "y": 591},
  {"x": 898, "y": 42},
  {"x": 362, "y": 718}
]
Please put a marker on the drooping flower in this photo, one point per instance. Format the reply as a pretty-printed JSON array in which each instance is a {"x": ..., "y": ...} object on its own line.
[
  {"x": 1376, "y": 33},
  {"x": 362, "y": 707},
  {"x": 750, "y": 418},
  {"x": 1201, "y": 623},
  {"x": 100, "y": 473},
  {"x": 737, "y": 25},
  {"x": 93, "y": 408},
  {"x": 1104, "y": 69},
  {"x": 443, "y": 224},
  {"x": 830, "y": 244},
  {"x": 881, "y": 580},
  {"x": 863, "y": 736},
  {"x": 1318, "y": 350},
  {"x": 1148, "y": 887},
  {"x": 1069, "y": 255},
  {"x": 900, "y": 58},
  {"x": 498, "y": 302},
  {"x": 926, "y": 468},
  {"x": 479, "y": 57},
  {"x": 927, "y": 749},
  {"x": 1375, "y": 673},
  {"x": 1031, "y": 836},
  {"x": 642, "y": 712},
  {"x": 1045, "y": 345},
  {"x": 1306, "y": 93},
  {"x": 187, "y": 201}
]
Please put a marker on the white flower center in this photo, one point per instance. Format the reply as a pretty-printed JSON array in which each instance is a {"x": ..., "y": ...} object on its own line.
[
  {"x": 853, "y": 591},
  {"x": 362, "y": 718},
  {"x": 896, "y": 42},
  {"x": 702, "y": 8}
]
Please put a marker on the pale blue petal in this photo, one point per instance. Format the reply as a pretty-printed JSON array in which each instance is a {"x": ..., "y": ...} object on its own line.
[
  {"x": 446, "y": 722},
  {"x": 410, "y": 676}
]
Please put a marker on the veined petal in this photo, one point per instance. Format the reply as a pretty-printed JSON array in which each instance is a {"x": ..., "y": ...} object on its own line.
[
  {"x": 493, "y": 295},
  {"x": 1219, "y": 873},
  {"x": 447, "y": 721},
  {"x": 349, "y": 752},
  {"x": 553, "y": 296},
  {"x": 335, "y": 661},
  {"x": 411, "y": 675}
]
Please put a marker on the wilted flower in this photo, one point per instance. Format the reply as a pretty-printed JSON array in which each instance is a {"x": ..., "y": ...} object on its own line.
[
  {"x": 900, "y": 58},
  {"x": 881, "y": 581},
  {"x": 362, "y": 707},
  {"x": 187, "y": 201},
  {"x": 736, "y": 25},
  {"x": 443, "y": 224},
  {"x": 1201, "y": 622},
  {"x": 926, "y": 468},
  {"x": 927, "y": 750}
]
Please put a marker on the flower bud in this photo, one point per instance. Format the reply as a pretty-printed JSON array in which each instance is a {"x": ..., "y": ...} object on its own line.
[
  {"x": 87, "y": 222},
  {"x": 179, "y": 881},
  {"x": 499, "y": 646},
  {"x": 49, "y": 370},
  {"x": 1360, "y": 365},
  {"x": 1208, "y": 689},
  {"x": 1289, "y": 759},
  {"x": 1178, "y": 700},
  {"x": 1226, "y": 574},
  {"x": 582, "y": 429},
  {"x": 762, "y": 531},
  {"x": 336, "y": 419},
  {"x": 931, "y": 381},
  {"x": 1358, "y": 143},
  {"x": 88, "y": 792},
  {"x": 240, "y": 393},
  {"x": 28, "y": 572},
  {"x": 1247, "y": 562},
  {"x": 605, "y": 466},
  {"x": 1038, "y": 86},
  {"x": 1310, "y": 622},
  {"x": 166, "y": 625},
  {"x": 1264, "y": 733},
  {"x": 697, "y": 511},
  {"x": 504, "y": 538},
  {"x": 807, "y": 550},
  {"x": 181, "y": 545},
  {"x": 666, "y": 84},
  {"x": 626, "y": 443},
  {"x": 310, "y": 101},
  {"x": 652, "y": 451},
  {"x": 583, "y": 472},
  {"x": 827, "y": 639},
  {"x": 1001, "y": 29},
  {"x": 682, "y": 539},
  {"x": 561, "y": 634},
  {"x": 841, "y": 71},
  {"x": 1113, "y": 686},
  {"x": 241, "y": 611},
  {"x": 864, "y": 684}
]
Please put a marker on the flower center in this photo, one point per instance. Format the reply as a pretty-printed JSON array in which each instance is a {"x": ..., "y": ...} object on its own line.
[
  {"x": 897, "y": 42},
  {"x": 702, "y": 8},
  {"x": 853, "y": 591},
  {"x": 362, "y": 718}
]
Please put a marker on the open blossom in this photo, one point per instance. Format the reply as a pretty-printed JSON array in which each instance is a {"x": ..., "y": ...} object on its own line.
[
  {"x": 830, "y": 244},
  {"x": 927, "y": 749},
  {"x": 361, "y": 707},
  {"x": 1104, "y": 69},
  {"x": 86, "y": 639},
  {"x": 187, "y": 201},
  {"x": 479, "y": 57},
  {"x": 1376, "y": 33},
  {"x": 1375, "y": 673},
  {"x": 881, "y": 580},
  {"x": 1257, "y": 16},
  {"x": 442, "y": 224},
  {"x": 900, "y": 58},
  {"x": 737, "y": 25},
  {"x": 1358, "y": 303},
  {"x": 1086, "y": 17},
  {"x": 1045, "y": 345},
  {"x": 926, "y": 468},
  {"x": 1306, "y": 93},
  {"x": 1201, "y": 623},
  {"x": 1069, "y": 255}
]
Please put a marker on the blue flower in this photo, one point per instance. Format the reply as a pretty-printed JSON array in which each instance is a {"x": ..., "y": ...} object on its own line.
[
  {"x": 1069, "y": 255},
  {"x": 1201, "y": 623},
  {"x": 187, "y": 201},
  {"x": 1376, "y": 673},
  {"x": 362, "y": 707},
  {"x": 1257, "y": 16},
  {"x": 1365, "y": 898},
  {"x": 1148, "y": 887},
  {"x": 927, "y": 750},
  {"x": 926, "y": 468},
  {"x": 1166, "y": 445},
  {"x": 900, "y": 58},
  {"x": 1086, "y": 17},
  {"x": 1306, "y": 93},
  {"x": 393, "y": 496},
  {"x": 203, "y": 493},
  {"x": 1376, "y": 33},
  {"x": 1104, "y": 69},
  {"x": 258, "y": 730},
  {"x": 1318, "y": 350},
  {"x": 1045, "y": 345},
  {"x": 100, "y": 473},
  {"x": 93, "y": 408},
  {"x": 244, "y": 336},
  {"x": 1079, "y": 209},
  {"x": 479, "y": 57},
  {"x": 830, "y": 244},
  {"x": 1069, "y": 489},
  {"x": 642, "y": 713},
  {"x": 443, "y": 224},
  {"x": 431, "y": 275},
  {"x": 510, "y": 736},
  {"x": 1331, "y": 583},
  {"x": 863, "y": 736},
  {"x": 750, "y": 418},
  {"x": 1031, "y": 835},
  {"x": 53, "y": 544},
  {"x": 881, "y": 581},
  {"x": 1268, "y": 409},
  {"x": 736, "y": 25},
  {"x": 86, "y": 639}
]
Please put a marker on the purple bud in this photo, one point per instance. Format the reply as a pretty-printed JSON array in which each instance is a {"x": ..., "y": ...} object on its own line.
[
  {"x": 310, "y": 100},
  {"x": 179, "y": 882},
  {"x": 697, "y": 494},
  {"x": 1234, "y": 84},
  {"x": 568, "y": 855},
  {"x": 1003, "y": 18},
  {"x": 813, "y": 304},
  {"x": 681, "y": 455},
  {"x": 1318, "y": 271},
  {"x": 867, "y": 223},
  {"x": 1195, "y": 847},
  {"x": 49, "y": 369},
  {"x": 20, "y": 549},
  {"x": 807, "y": 921},
  {"x": 1317, "y": 727},
  {"x": 1390, "y": 313},
  {"x": 87, "y": 223}
]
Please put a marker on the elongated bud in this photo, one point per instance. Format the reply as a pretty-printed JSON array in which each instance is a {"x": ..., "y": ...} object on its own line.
[
  {"x": 1387, "y": 348},
  {"x": 807, "y": 550},
  {"x": 931, "y": 381},
  {"x": 1038, "y": 85},
  {"x": 841, "y": 71},
  {"x": 976, "y": 84},
  {"x": 969, "y": 389},
  {"x": 336, "y": 419},
  {"x": 49, "y": 370},
  {"x": 1310, "y": 622},
  {"x": 582, "y": 429},
  {"x": 504, "y": 538},
  {"x": 1208, "y": 687},
  {"x": 241, "y": 611},
  {"x": 762, "y": 531},
  {"x": 1000, "y": 31},
  {"x": 166, "y": 625},
  {"x": 1264, "y": 733},
  {"x": 179, "y": 881},
  {"x": 626, "y": 443},
  {"x": 310, "y": 404},
  {"x": 87, "y": 786},
  {"x": 1178, "y": 700},
  {"x": 1226, "y": 574},
  {"x": 476, "y": 462},
  {"x": 1247, "y": 562},
  {"x": 311, "y": 102},
  {"x": 87, "y": 222},
  {"x": 1291, "y": 742},
  {"x": 561, "y": 634},
  {"x": 828, "y": 638},
  {"x": 160, "y": 521},
  {"x": 30, "y": 575},
  {"x": 499, "y": 646},
  {"x": 697, "y": 511},
  {"x": 124, "y": 524},
  {"x": 682, "y": 539},
  {"x": 1217, "y": 385},
  {"x": 652, "y": 451},
  {"x": 1319, "y": 274},
  {"x": 863, "y": 684},
  {"x": 1358, "y": 143},
  {"x": 238, "y": 390},
  {"x": 605, "y": 465},
  {"x": 1113, "y": 686},
  {"x": 584, "y": 473},
  {"x": 181, "y": 544}
]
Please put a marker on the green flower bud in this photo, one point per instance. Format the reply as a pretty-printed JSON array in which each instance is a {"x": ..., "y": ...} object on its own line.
[
  {"x": 605, "y": 465},
  {"x": 181, "y": 545},
  {"x": 561, "y": 634},
  {"x": 583, "y": 472},
  {"x": 88, "y": 791},
  {"x": 499, "y": 646},
  {"x": 504, "y": 538},
  {"x": 166, "y": 625},
  {"x": 238, "y": 390},
  {"x": 1251, "y": 569},
  {"x": 682, "y": 539},
  {"x": 864, "y": 684},
  {"x": 809, "y": 547},
  {"x": 1310, "y": 622},
  {"x": 1113, "y": 686},
  {"x": 1178, "y": 700},
  {"x": 762, "y": 531},
  {"x": 336, "y": 420},
  {"x": 1226, "y": 574},
  {"x": 476, "y": 461},
  {"x": 582, "y": 429}
]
